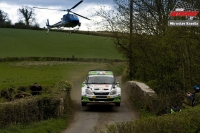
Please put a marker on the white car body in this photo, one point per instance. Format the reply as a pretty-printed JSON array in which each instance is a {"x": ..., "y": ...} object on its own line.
[{"x": 100, "y": 86}]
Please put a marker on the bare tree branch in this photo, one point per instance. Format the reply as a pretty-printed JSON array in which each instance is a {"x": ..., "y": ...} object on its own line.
[
  {"x": 27, "y": 14},
  {"x": 3, "y": 17}
]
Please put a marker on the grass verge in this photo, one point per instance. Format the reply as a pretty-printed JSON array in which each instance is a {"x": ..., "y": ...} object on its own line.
[{"x": 46, "y": 126}]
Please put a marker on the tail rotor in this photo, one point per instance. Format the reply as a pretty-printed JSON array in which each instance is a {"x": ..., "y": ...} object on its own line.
[{"x": 48, "y": 26}]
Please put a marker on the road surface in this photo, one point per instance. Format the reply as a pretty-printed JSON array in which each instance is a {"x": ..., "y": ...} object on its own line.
[{"x": 96, "y": 115}]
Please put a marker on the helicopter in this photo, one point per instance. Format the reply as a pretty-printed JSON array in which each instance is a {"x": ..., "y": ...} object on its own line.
[{"x": 69, "y": 20}]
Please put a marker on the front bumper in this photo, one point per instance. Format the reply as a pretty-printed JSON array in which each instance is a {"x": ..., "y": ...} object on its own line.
[{"x": 96, "y": 99}]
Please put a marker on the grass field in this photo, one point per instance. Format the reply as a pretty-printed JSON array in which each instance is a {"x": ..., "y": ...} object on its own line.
[
  {"x": 46, "y": 73},
  {"x": 32, "y": 43},
  {"x": 36, "y": 43}
]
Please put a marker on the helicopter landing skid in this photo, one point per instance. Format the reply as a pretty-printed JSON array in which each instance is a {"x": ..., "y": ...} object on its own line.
[{"x": 76, "y": 29}]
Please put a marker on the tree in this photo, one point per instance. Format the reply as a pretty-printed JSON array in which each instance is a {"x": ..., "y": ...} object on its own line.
[
  {"x": 120, "y": 24},
  {"x": 149, "y": 44},
  {"x": 3, "y": 17},
  {"x": 27, "y": 13},
  {"x": 164, "y": 57}
]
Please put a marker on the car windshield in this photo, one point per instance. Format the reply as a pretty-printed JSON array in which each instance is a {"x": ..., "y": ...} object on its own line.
[{"x": 100, "y": 80}]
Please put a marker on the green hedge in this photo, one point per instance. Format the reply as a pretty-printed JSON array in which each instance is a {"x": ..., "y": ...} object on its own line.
[
  {"x": 186, "y": 121},
  {"x": 7, "y": 59},
  {"x": 37, "y": 108}
]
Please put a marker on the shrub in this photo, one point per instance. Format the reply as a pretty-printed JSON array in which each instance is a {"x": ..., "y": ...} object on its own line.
[
  {"x": 37, "y": 108},
  {"x": 186, "y": 121}
]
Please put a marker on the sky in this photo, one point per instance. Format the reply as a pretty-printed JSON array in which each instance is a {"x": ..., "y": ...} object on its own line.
[{"x": 87, "y": 8}]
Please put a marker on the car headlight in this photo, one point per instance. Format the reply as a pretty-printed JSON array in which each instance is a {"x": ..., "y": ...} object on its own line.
[
  {"x": 113, "y": 92},
  {"x": 89, "y": 92}
]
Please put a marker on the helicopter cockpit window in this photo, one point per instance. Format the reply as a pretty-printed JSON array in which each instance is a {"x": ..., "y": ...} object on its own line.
[
  {"x": 72, "y": 16},
  {"x": 75, "y": 17},
  {"x": 64, "y": 17}
]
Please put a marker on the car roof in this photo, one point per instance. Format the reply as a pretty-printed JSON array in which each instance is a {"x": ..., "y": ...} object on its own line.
[
  {"x": 100, "y": 72},
  {"x": 100, "y": 76}
]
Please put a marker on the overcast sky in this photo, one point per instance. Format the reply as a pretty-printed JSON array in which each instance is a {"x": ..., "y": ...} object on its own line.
[{"x": 86, "y": 8}]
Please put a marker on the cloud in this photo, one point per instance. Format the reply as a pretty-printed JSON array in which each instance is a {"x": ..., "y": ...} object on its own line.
[
  {"x": 11, "y": 10},
  {"x": 87, "y": 8},
  {"x": 64, "y": 3}
]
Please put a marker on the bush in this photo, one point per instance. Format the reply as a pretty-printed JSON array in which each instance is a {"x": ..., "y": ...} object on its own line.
[
  {"x": 186, "y": 121},
  {"x": 37, "y": 108}
]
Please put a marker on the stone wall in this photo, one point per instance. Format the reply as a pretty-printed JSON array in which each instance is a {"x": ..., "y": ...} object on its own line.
[{"x": 140, "y": 92}]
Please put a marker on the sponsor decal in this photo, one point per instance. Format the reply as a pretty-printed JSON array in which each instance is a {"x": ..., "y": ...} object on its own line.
[
  {"x": 100, "y": 73},
  {"x": 101, "y": 86}
]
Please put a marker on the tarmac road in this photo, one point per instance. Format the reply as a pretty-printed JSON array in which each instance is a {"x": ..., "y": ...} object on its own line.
[{"x": 96, "y": 115}]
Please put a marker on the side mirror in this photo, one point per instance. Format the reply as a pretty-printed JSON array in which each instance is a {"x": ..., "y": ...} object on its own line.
[
  {"x": 117, "y": 83},
  {"x": 83, "y": 84}
]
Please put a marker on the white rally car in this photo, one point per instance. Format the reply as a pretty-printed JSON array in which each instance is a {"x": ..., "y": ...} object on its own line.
[{"x": 100, "y": 86}]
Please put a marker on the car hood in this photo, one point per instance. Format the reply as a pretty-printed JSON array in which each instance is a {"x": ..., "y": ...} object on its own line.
[{"x": 100, "y": 87}]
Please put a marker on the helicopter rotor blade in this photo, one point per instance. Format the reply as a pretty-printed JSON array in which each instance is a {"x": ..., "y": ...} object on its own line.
[
  {"x": 48, "y": 8},
  {"x": 76, "y": 5},
  {"x": 79, "y": 15},
  {"x": 68, "y": 10}
]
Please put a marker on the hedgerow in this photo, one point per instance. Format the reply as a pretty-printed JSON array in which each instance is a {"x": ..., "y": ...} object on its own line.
[
  {"x": 53, "y": 104},
  {"x": 186, "y": 121}
]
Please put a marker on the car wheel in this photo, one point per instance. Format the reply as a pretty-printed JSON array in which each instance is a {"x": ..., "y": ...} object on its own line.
[
  {"x": 84, "y": 104},
  {"x": 117, "y": 104}
]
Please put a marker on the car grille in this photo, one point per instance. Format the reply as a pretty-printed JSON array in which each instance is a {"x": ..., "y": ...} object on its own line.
[
  {"x": 101, "y": 93},
  {"x": 91, "y": 99},
  {"x": 101, "y": 96}
]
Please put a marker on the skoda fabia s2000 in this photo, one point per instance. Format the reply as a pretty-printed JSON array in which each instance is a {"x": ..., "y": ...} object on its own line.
[{"x": 100, "y": 86}]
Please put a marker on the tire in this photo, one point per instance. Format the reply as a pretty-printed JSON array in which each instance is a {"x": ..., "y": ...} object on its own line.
[
  {"x": 117, "y": 104},
  {"x": 84, "y": 104}
]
